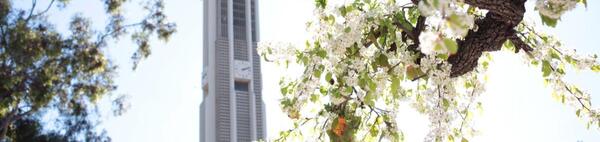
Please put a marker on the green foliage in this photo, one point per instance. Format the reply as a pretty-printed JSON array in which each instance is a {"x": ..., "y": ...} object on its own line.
[
  {"x": 346, "y": 9},
  {"x": 413, "y": 73},
  {"x": 382, "y": 60},
  {"x": 28, "y": 130},
  {"x": 401, "y": 16},
  {"x": 546, "y": 68},
  {"x": 451, "y": 45},
  {"x": 596, "y": 68},
  {"x": 394, "y": 86},
  {"x": 45, "y": 71},
  {"x": 367, "y": 57},
  {"x": 321, "y": 3},
  {"x": 343, "y": 128},
  {"x": 584, "y": 2},
  {"x": 548, "y": 21}
]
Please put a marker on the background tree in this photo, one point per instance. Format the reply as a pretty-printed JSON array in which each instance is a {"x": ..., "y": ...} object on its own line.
[
  {"x": 368, "y": 56},
  {"x": 43, "y": 71}
]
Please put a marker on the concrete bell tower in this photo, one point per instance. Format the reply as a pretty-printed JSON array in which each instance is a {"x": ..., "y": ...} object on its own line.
[{"x": 232, "y": 108}]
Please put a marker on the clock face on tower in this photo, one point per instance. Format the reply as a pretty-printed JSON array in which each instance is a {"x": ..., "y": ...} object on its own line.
[{"x": 242, "y": 69}]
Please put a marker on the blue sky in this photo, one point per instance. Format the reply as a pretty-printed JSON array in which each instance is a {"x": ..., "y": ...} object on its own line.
[{"x": 165, "y": 89}]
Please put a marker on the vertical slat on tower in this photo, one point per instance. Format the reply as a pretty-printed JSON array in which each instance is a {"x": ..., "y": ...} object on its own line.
[{"x": 222, "y": 86}]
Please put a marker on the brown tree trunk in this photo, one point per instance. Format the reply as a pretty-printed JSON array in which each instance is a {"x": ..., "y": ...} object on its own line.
[
  {"x": 4, "y": 123},
  {"x": 492, "y": 31}
]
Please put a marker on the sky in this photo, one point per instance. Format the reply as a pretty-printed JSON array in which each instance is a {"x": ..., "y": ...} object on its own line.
[{"x": 165, "y": 91}]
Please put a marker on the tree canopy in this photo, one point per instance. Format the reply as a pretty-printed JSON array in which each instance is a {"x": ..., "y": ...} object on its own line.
[
  {"x": 367, "y": 57},
  {"x": 44, "y": 71}
]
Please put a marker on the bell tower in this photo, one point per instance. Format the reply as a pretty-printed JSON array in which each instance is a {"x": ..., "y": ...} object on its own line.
[{"x": 232, "y": 108}]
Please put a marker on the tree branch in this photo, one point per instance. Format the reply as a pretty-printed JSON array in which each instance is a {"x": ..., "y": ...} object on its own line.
[
  {"x": 578, "y": 99},
  {"x": 503, "y": 8},
  {"x": 497, "y": 26},
  {"x": 33, "y": 3},
  {"x": 102, "y": 38},
  {"x": 420, "y": 27},
  {"x": 519, "y": 44},
  {"x": 5, "y": 122},
  {"x": 45, "y": 10},
  {"x": 295, "y": 128}
]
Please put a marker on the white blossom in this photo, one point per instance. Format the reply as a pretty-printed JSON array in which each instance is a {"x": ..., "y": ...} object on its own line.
[
  {"x": 554, "y": 8},
  {"x": 429, "y": 40},
  {"x": 430, "y": 7},
  {"x": 365, "y": 82},
  {"x": 458, "y": 24}
]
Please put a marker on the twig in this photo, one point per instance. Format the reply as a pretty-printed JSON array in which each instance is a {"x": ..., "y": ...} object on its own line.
[
  {"x": 45, "y": 10},
  {"x": 295, "y": 128},
  {"x": 323, "y": 128},
  {"x": 33, "y": 3},
  {"x": 578, "y": 99},
  {"x": 468, "y": 106},
  {"x": 102, "y": 38}
]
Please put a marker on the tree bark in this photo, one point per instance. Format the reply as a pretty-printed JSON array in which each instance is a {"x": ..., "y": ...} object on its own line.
[
  {"x": 5, "y": 122},
  {"x": 13, "y": 116},
  {"x": 492, "y": 31}
]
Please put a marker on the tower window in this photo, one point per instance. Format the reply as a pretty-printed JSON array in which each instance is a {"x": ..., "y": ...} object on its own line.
[{"x": 241, "y": 86}]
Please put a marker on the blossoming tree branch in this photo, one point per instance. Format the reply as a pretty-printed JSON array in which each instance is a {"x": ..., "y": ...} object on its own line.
[{"x": 368, "y": 56}]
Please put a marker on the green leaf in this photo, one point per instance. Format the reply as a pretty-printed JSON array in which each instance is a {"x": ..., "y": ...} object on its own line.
[
  {"x": 578, "y": 112},
  {"x": 553, "y": 54},
  {"x": 348, "y": 90},
  {"x": 584, "y": 2},
  {"x": 347, "y": 30},
  {"x": 436, "y": 3},
  {"x": 576, "y": 90},
  {"x": 269, "y": 50},
  {"x": 286, "y": 102},
  {"x": 455, "y": 20},
  {"x": 318, "y": 71},
  {"x": 468, "y": 84},
  {"x": 546, "y": 68},
  {"x": 343, "y": 11},
  {"x": 314, "y": 98},
  {"x": 321, "y": 3},
  {"x": 443, "y": 56},
  {"x": 485, "y": 64},
  {"x": 509, "y": 45},
  {"x": 381, "y": 40},
  {"x": 451, "y": 45},
  {"x": 535, "y": 62},
  {"x": 401, "y": 17},
  {"x": 570, "y": 60},
  {"x": 413, "y": 15},
  {"x": 412, "y": 73},
  {"x": 395, "y": 84},
  {"x": 370, "y": 99},
  {"x": 548, "y": 21},
  {"x": 372, "y": 85},
  {"x": 464, "y": 140},
  {"x": 595, "y": 68},
  {"x": 284, "y": 90},
  {"x": 382, "y": 60},
  {"x": 445, "y": 103},
  {"x": 323, "y": 90},
  {"x": 374, "y": 131},
  {"x": 479, "y": 107},
  {"x": 471, "y": 10},
  {"x": 328, "y": 76},
  {"x": 322, "y": 53}
]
